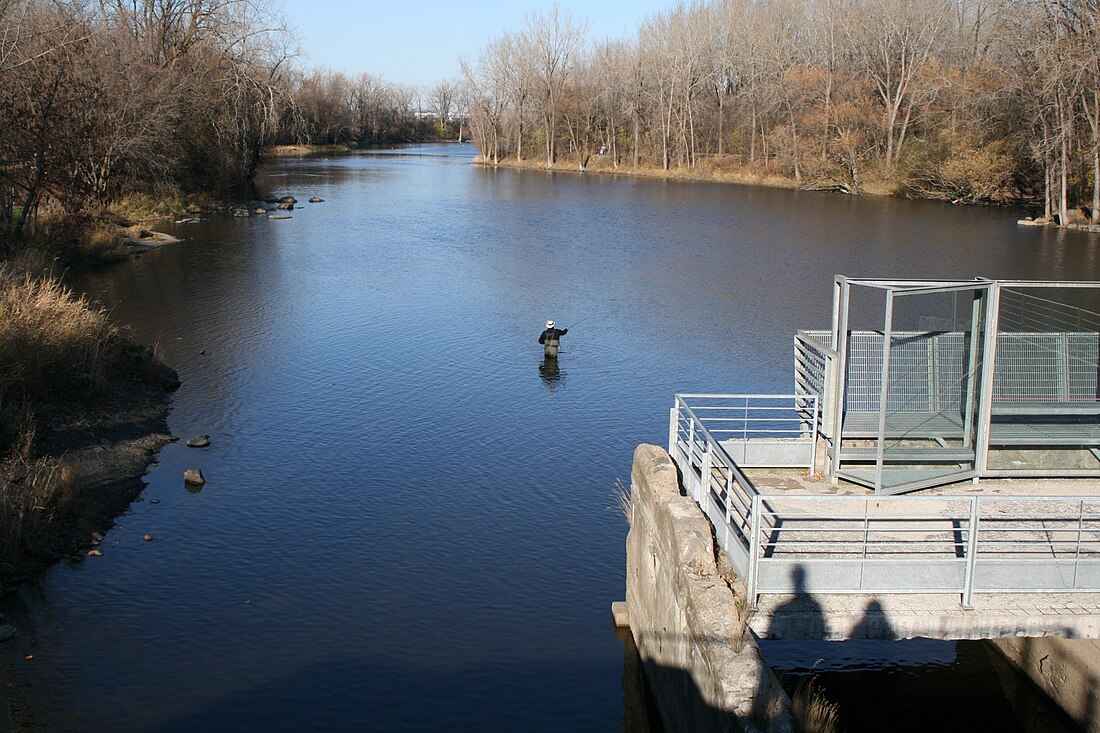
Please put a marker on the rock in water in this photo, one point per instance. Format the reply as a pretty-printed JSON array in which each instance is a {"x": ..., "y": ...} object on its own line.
[
  {"x": 199, "y": 441},
  {"x": 288, "y": 200},
  {"x": 194, "y": 477},
  {"x": 147, "y": 538},
  {"x": 316, "y": 200},
  {"x": 7, "y": 632}
]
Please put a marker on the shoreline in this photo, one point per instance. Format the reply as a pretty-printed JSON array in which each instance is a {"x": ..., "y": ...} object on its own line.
[
  {"x": 747, "y": 177},
  {"x": 98, "y": 455}
]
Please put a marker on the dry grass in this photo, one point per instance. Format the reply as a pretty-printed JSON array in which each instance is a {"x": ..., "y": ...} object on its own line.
[
  {"x": 53, "y": 347},
  {"x": 301, "y": 151},
  {"x": 34, "y": 494},
  {"x": 55, "y": 351},
  {"x": 724, "y": 169},
  {"x": 623, "y": 505},
  {"x": 812, "y": 710},
  {"x": 163, "y": 201}
]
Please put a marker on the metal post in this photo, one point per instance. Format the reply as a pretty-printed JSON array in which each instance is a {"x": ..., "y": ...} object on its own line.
[
  {"x": 1080, "y": 529},
  {"x": 989, "y": 365},
  {"x": 728, "y": 472},
  {"x": 704, "y": 475},
  {"x": 884, "y": 393},
  {"x": 754, "y": 554},
  {"x": 673, "y": 429},
  {"x": 973, "y": 396},
  {"x": 813, "y": 439},
  {"x": 841, "y": 295},
  {"x": 971, "y": 555},
  {"x": 689, "y": 469},
  {"x": 866, "y": 533}
]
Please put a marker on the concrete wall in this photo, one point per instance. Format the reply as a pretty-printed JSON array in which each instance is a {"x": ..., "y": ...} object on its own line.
[
  {"x": 704, "y": 669},
  {"x": 1065, "y": 670}
]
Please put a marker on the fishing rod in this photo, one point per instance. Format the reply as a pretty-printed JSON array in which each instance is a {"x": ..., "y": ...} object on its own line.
[{"x": 574, "y": 323}]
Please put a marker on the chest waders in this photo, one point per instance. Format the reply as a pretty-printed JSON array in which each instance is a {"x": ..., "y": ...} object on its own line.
[{"x": 550, "y": 347}]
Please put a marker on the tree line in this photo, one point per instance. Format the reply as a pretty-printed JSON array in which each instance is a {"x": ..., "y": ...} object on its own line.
[
  {"x": 100, "y": 98},
  {"x": 971, "y": 100}
]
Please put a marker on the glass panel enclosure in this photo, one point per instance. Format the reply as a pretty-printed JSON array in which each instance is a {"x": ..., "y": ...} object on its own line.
[
  {"x": 937, "y": 381},
  {"x": 1046, "y": 388},
  {"x": 932, "y": 387},
  {"x": 925, "y": 403}
]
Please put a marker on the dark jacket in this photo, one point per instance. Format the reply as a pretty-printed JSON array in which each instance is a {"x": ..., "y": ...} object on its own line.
[{"x": 552, "y": 334}]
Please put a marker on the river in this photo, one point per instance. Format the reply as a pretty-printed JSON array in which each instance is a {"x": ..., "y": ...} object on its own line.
[{"x": 409, "y": 522}]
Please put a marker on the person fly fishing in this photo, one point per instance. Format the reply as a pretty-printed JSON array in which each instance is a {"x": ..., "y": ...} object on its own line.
[{"x": 549, "y": 340}]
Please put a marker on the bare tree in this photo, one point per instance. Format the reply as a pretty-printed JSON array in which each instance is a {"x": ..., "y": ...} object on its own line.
[
  {"x": 443, "y": 97},
  {"x": 555, "y": 39}
]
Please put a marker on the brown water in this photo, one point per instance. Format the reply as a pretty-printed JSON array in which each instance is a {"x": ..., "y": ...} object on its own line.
[{"x": 408, "y": 523}]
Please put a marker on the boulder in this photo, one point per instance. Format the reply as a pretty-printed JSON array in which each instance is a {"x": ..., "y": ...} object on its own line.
[
  {"x": 286, "y": 205},
  {"x": 279, "y": 216},
  {"x": 199, "y": 441},
  {"x": 194, "y": 477},
  {"x": 316, "y": 200},
  {"x": 288, "y": 200}
]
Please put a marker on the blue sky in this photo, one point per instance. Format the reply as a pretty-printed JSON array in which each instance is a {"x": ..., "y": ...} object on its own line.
[{"x": 419, "y": 41}]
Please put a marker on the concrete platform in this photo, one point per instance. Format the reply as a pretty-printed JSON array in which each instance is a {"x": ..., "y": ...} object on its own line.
[{"x": 940, "y": 616}]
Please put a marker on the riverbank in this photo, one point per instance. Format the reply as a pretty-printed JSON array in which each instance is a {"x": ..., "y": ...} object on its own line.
[
  {"x": 83, "y": 411},
  {"x": 708, "y": 170}
]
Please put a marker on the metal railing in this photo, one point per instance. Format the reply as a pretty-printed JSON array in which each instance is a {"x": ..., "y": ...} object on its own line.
[
  {"x": 885, "y": 545},
  {"x": 759, "y": 430},
  {"x": 714, "y": 481},
  {"x": 945, "y": 544}
]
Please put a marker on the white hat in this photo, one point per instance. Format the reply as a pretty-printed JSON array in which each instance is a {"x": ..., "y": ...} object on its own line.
[{"x": 549, "y": 324}]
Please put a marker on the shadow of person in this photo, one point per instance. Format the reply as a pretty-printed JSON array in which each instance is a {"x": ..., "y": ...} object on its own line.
[
  {"x": 875, "y": 623},
  {"x": 800, "y": 616},
  {"x": 550, "y": 372}
]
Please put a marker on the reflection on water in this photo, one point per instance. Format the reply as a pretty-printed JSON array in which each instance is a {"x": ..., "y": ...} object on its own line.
[
  {"x": 550, "y": 372},
  {"x": 402, "y": 528}
]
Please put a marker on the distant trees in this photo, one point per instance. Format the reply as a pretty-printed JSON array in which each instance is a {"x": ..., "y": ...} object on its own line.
[
  {"x": 95, "y": 97},
  {"x": 331, "y": 108},
  {"x": 963, "y": 99}
]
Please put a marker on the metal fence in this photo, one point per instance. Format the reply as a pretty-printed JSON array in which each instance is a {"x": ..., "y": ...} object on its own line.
[
  {"x": 760, "y": 430},
  {"x": 884, "y": 545},
  {"x": 964, "y": 545}
]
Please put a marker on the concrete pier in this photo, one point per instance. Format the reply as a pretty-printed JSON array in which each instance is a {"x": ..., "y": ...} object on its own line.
[
  {"x": 706, "y": 673},
  {"x": 689, "y": 616}
]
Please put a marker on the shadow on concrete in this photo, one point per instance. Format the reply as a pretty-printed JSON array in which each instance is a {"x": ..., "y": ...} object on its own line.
[
  {"x": 1031, "y": 669},
  {"x": 801, "y": 614},
  {"x": 875, "y": 623},
  {"x": 640, "y": 712},
  {"x": 678, "y": 704}
]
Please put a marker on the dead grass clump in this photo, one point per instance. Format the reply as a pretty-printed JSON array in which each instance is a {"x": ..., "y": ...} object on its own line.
[
  {"x": 813, "y": 712},
  {"x": 162, "y": 201},
  {"x": 53, "y": 347},
  {"x": 623, "y": 504},
  {"x": 33, "y": 497}
]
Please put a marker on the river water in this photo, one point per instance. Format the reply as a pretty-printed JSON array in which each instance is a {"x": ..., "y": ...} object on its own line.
[{"x": 409, "y": 520}]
